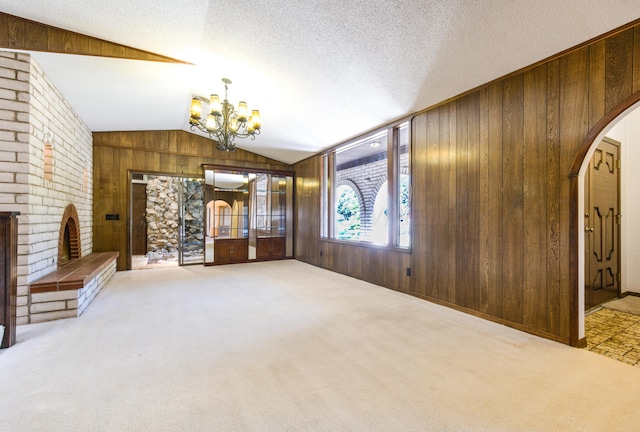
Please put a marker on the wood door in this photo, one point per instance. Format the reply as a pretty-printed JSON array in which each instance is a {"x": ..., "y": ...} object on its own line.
[
  {"x": 602, "y": 225},
  {"x": 138, "y": 219}
]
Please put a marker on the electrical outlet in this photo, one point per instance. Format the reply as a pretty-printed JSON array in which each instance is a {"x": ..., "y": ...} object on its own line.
[{"x": 408, "y": 271}]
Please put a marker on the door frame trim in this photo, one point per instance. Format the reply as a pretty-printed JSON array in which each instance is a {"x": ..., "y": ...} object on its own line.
[{"x": 576, "y": 210}]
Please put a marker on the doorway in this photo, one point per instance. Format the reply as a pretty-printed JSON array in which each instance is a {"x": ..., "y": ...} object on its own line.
[
  {"x": 602, "y": 225},
  {"x": 166, "y": 221},
  {"x": 602, "y": 322}
]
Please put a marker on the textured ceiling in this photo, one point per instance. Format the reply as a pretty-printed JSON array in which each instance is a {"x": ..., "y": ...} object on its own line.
[{"x": 320, "y": 72}]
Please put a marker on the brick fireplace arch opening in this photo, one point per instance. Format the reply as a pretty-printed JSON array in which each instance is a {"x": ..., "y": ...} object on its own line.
[{"x": 69, "y": 237}]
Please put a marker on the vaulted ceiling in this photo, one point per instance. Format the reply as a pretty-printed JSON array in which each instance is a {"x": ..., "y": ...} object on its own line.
[{"x": 320, "y": 71}]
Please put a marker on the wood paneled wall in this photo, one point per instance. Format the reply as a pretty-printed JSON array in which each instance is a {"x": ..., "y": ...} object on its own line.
[
  {"x": 117, "y": 154},
  {"x": 494, "y": 205},
  {"x": 20, "y": 33}
]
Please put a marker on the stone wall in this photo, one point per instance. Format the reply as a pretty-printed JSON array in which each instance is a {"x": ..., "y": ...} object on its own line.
[
  {"x": 34, "y": 115},
  {"x": 193, "y": 198},
  {"x": 163, "y": 217}
]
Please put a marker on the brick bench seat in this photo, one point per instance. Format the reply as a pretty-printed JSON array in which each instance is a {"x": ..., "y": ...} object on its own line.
[{"x": 67, "y": 291}]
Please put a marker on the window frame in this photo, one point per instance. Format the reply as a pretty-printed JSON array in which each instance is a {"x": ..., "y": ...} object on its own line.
[{"x": 328, "y": 186}]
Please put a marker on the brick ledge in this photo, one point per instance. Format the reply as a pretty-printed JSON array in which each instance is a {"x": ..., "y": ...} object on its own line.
[{"x": 74, "y": 275}]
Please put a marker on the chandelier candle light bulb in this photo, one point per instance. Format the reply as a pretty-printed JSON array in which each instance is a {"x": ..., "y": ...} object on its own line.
[{"x": 223, "y": 122}]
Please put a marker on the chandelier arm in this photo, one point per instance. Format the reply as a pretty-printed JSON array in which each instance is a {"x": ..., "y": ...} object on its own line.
[{"x": 227, "y": 125}]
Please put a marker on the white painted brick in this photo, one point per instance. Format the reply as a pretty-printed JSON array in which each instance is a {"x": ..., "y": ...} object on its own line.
[
  {"x": 15, "y": 188},
  {"x": 50, "y": 316},
  {"x": 22, "y": 310},
  {"x": 7, "y": 94},
  {"x": 14, "y": 64},
  {"x": 7, "y": 198},
  {"x": 24, "y": 97},
  {"x": 48, "y": 307},
  {"x": 14, "y": 146},
  {"x": 12, "y": 84},
  {"x": 22, "y": 320},
  {"x": 8, "y": 73},
  {"x": 23, "y": 76},
  {"x": 7, "y": 136},
  {"x": 7, "y": 156},
  {"x": 22, "y": 300},
  {"x": 7, "y": 114},
  {"x": 72, "y": 304},
  {"x": 54, "y": 296}
]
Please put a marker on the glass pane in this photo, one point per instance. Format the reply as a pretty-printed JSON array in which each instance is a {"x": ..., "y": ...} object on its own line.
[
  {"x": 191, "y": 218},
  {"x": 289, "y": 216},
  {"x": 253, "y": 231},
  {"x": 360, "y": 174},
  {"x": 263, "y": 205},
  {"x": 231, "y": 205},
  {"x": 404, "y": 187},
  {"x": 324, "y": 198},
  {"x": 278, "y": 205},
  {"x": 208, "y": 215}
]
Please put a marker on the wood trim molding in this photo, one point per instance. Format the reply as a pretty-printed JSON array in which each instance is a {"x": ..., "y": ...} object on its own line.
[{"x": 23, "y": 34}]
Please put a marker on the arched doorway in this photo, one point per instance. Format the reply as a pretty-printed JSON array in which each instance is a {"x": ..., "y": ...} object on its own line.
[{"x": 577, "y": 188}]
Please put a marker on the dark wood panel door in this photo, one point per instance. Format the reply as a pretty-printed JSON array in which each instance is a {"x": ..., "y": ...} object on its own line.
[
  {"x": 602, "y": 229},
  {"x": 222, "y": 251},
  {"x": 271, "y": 248},
  {"x": 138, "y": 219},
  {"x": 230, "y": 250}
]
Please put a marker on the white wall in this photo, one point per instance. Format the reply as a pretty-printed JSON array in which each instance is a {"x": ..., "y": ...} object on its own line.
[
  {"x": 32, "y": 112},
  {"x": 627, "y": 131}
]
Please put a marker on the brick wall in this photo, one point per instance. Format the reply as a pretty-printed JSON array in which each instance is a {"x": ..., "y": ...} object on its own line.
[
  {"x": 366, "y": 180},
  {"x": 32, "y": 113}
]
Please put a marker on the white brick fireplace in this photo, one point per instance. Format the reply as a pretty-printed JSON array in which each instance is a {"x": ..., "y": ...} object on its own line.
[{"x": 46, "y": 163}]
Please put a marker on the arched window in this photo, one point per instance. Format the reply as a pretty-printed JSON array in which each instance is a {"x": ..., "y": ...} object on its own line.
[{"x": 347, "y": 213}]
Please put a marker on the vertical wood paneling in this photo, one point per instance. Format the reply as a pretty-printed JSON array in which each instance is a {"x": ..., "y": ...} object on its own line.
[
  {"x": 419, "y": 215},
  {"x": 596, "y": 82},
  {"x": 449, "y": 253},
  {"x": 619, "y": 68},
  {"x": 553, "y": 186},
  {"x": 464, "y": 275},
  {"x": 535, "y": 220},
  {"x": 433, "y": 231},
  {"x": 512, "y": 202},
  {"x": 636, "y": 60},
  {"x": 574, "y": 121},
  {"x": 473, "y": 200},
  {"x": 494, "y": 217},
  {"x": 444, "y": 244}
]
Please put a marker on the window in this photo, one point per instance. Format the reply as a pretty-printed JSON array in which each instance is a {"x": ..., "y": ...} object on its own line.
[
  {"x": 347, "y": 213},
  {"x": 366, "y": 189}
]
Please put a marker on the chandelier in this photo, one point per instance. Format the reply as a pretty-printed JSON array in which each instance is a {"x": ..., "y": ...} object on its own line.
[{"x": 223, "y": 123}]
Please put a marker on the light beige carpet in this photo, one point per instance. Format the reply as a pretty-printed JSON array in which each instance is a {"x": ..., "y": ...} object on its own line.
[
  {"x": 629, "y": 304},
  {"x": 284, "y": 346}
]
